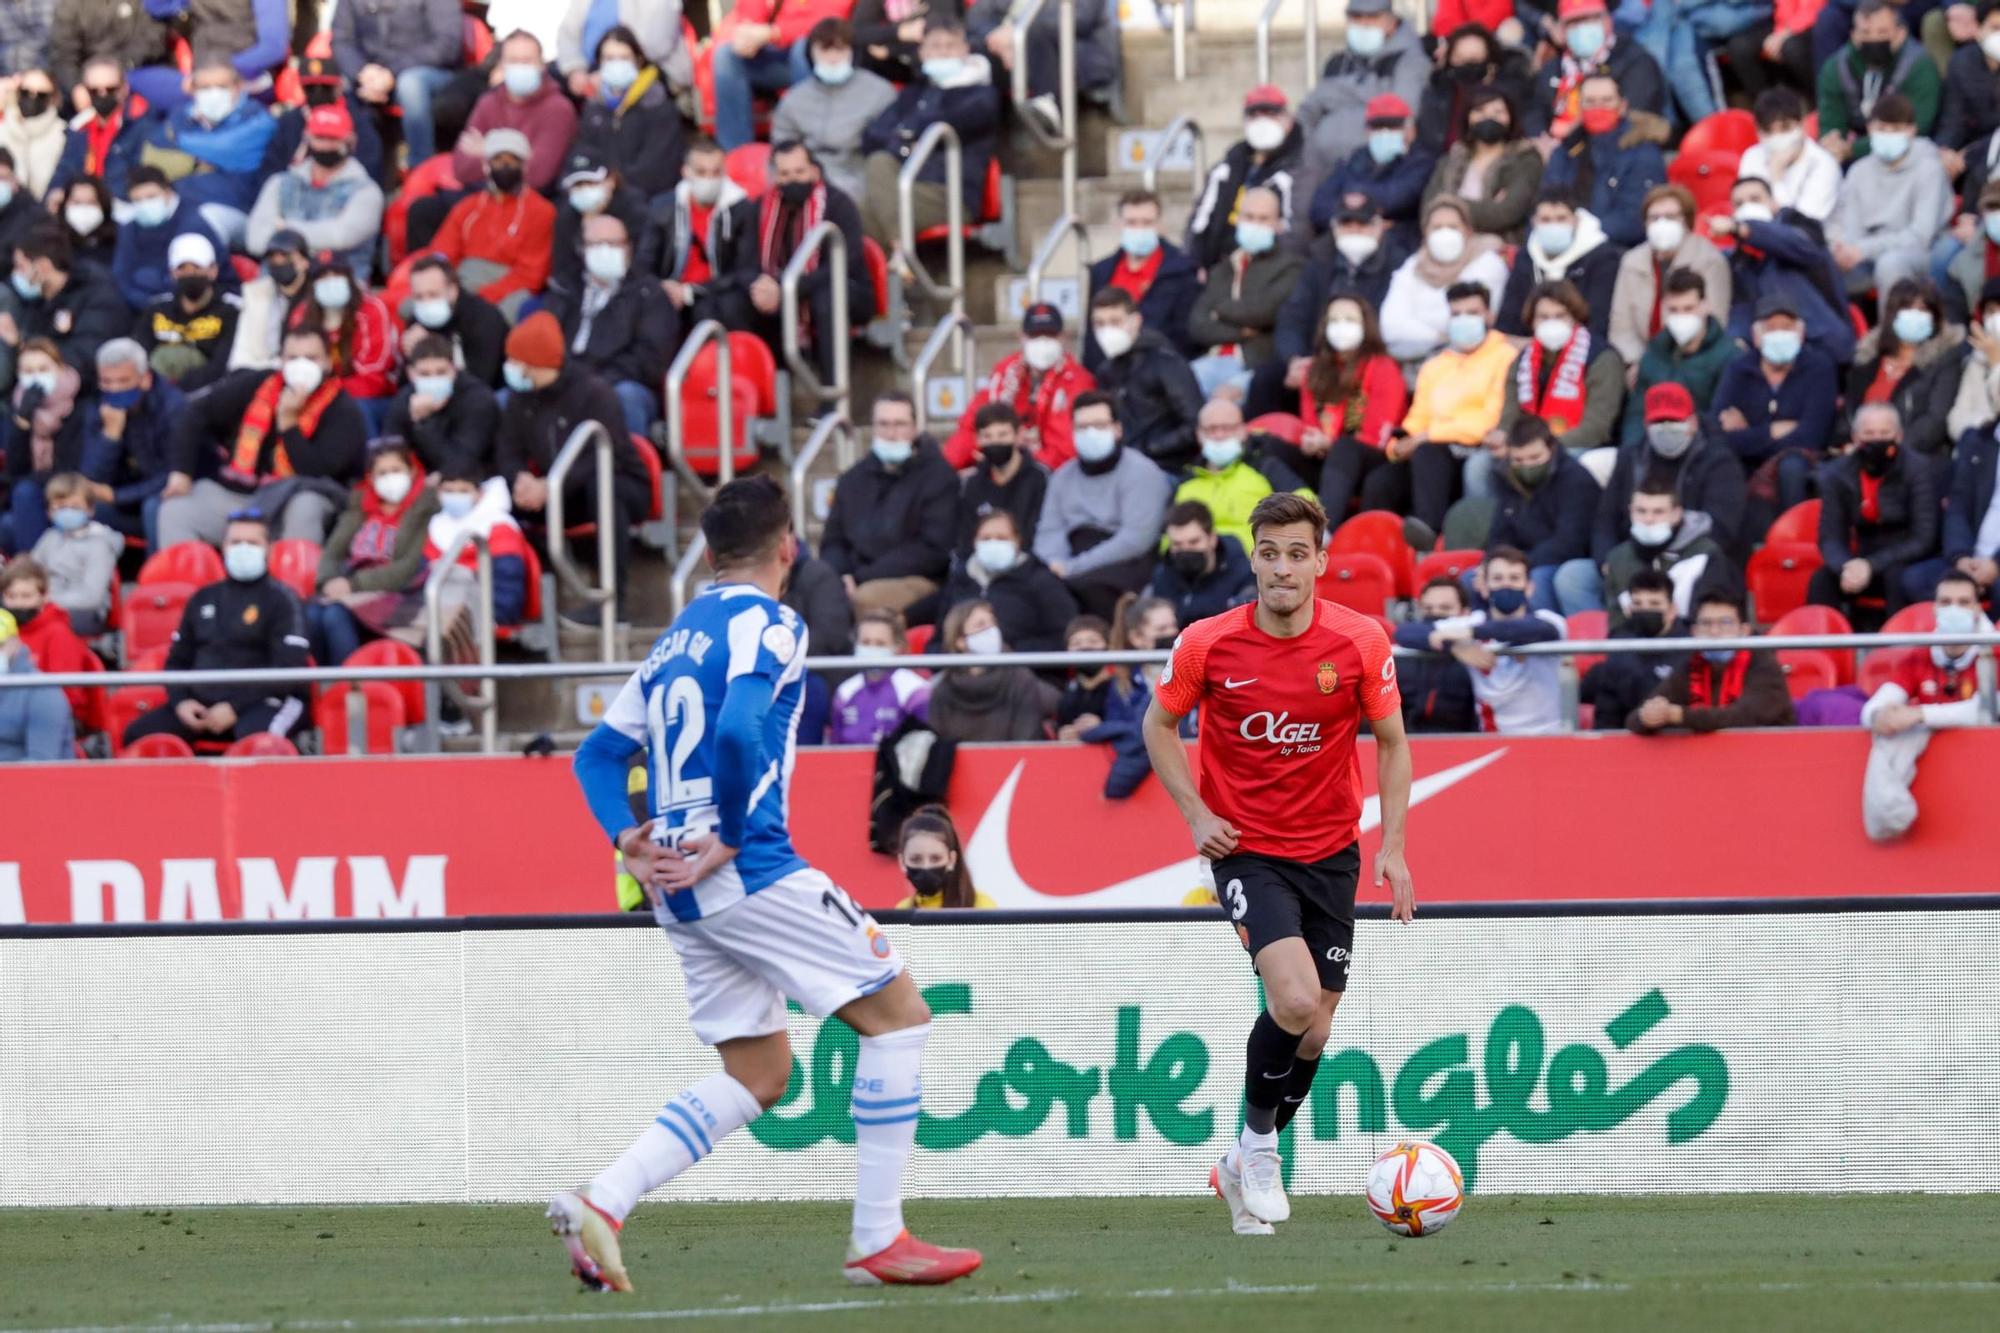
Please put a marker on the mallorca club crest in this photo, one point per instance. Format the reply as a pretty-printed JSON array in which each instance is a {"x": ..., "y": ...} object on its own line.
[{"x": 1327, "y": 677}]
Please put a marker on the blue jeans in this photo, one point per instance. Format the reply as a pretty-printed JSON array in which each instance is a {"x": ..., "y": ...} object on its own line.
[
  {"x": 375, "y": 411},
  {"x": 1920, "y": 579},
  {"x": 1573, "y": 586},
  {"x": 641, "y": 404},
  {"x": 27, "y": 515},
  {"x": 333, "y": 632},
  {"x": 771, "y": 70},
  {"x": 415, "y": 87},
  {"x": 1670, "y": 38},
  {"x": 1479, "y": 465}
]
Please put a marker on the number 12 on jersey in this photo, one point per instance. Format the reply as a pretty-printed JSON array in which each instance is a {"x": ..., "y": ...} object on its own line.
[{"x": 676, "y": 722}]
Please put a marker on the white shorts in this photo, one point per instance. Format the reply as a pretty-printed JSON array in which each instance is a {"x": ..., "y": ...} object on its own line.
[{"x": 802, "y": 938}]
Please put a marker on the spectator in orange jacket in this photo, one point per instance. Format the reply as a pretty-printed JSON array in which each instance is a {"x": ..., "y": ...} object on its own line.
[
  {"x": 1040, "y": 382},
  {"x": 47, "y": 635},
  {"x": 499, "y": 240}
]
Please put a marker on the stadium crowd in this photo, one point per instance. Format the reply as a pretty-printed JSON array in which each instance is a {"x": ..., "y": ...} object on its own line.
[{"x": 1577, "y": 318}]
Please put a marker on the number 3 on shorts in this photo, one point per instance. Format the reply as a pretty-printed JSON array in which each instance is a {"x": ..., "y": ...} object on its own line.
[
  {"x": 837, "y": 901},
  {"x": 1232, "y": 894}
]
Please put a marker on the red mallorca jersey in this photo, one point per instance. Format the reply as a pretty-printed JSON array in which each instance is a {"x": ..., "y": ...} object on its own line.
[{"x": 1278, "y": 721}]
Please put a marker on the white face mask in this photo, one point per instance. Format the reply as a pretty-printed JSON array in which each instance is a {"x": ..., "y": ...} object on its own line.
[
  {"x": 1042, "y": 353},
  {"x": 1094, "y": 443},
  {"x": 1783, "y": 143},
  {"x": 1263, "y": 133},
  {"x": 392, "y": 487},
  {"x": 1686, "y": 327},
  {"x": 1992, "y": 323},
  {"x": 874, "y": 650},
  {"x": 704, "y": 190},
  {"x": 1357, "y": 247},
  {"x": 589, "y": 198},
  {"x": 1554, "y": 334},
  {"x": 214, "y": 104},
  {"x": 333, "y": 292},
  {"x": 1343, "y": 335},
  {"x": 457, "y": 504},
  {"x": 1753, "y": 213},
  {"x": 1989, "y": 46},
  {"x": 521, "y": 79},
  {"x": 1446, "y": 244},
  {"x": 607, "y": 263},
  {"x": 303, "y": 376},
  {"x": 1114, "y": 340},
  {"x": 245, "y": 561},
  {"x": 1219, "y": 454},
  {"x": 986, "y": 642},
  {"x": 83, "y": 219},
  {"x": 1666, "y": 234},
  {"x": 1652, "y": 534},
  {"x": 434, "y": 313},
  {"x": 891, "y": 453},
  {"x": 998, "y": 554}
]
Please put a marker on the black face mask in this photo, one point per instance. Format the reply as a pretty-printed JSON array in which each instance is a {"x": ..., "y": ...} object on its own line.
[
  {"x": 996, "y": 456},
  {"x": 505, "y": 179},
  {"x": 1876, "y": 456},
  {"x": 1189, "y": 564},
  {"x": 1467, "y": 73},
  {"x": 22, "y": 618},
  {"x": 1879, "y": 54},
  {"x": 328, "y": 157},
  {"x": 283, "y": 272},
  {"x": 1486, "y": 132},
  {"x": 1162, "y": 642},
  {"x": 33, "y": 104},
  {"x": 795, "y": 193},
  {"x": 322, "y": 94},
  {"x": 1648, "y": 624},
  {"x": 106, "y": 104},
  {"x": 193, "y": 287},
  {"x": 928, "y": 880}
]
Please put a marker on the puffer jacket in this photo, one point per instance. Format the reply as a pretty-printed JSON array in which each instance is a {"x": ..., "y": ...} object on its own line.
[{"x": 1612, "y": 173}]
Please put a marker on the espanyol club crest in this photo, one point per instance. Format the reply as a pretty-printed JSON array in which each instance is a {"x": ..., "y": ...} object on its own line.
[{"x": 1328, "y": 678}]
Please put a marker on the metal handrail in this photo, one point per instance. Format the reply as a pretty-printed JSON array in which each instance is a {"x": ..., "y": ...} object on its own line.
[
  {"x": 955, "y": 329},
  {"x": 1181, "y": 127},
  {"x": 603, "y": 595},
  {"x": 684, "y": 570},
  {"x": 938, "y": 132},
  {"x": 708, "y": 331},
  {"x": 841, "y": 333},
  {"x": 485, "y": 703},
  {"x": 1264, "y": 21},
  {"x": 1069, "y": 224},
  {"x": 832, "y": 424},
  {"x": 1181, "y": 8},
  {"x": 1064, "y": 140}
]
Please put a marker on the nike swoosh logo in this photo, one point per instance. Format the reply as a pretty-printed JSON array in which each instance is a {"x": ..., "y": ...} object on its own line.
[
  {"x": 1229, "y": 684},
  {"x": 991, "y": 859},
  {"x": 1281, "y": 1074}
]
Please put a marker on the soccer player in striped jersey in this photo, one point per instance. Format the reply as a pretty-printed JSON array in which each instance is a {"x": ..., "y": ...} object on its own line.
[{"x": 716, "y": 708}]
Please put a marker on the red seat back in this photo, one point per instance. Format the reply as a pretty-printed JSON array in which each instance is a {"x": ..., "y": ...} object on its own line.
[
  {"x": 1800, "y": 523},
  {"x": 123, "y": 706},
  {"x": 262, "y": 745},
  {"x": 878, "y": 274},
  {"x": 920, "y": 637},
  {"x": 1730, "y": 131},
  {"x": 295, "y": 563},
  {"x": 1916, "y": 618},
  {"x": 655, "y": 475},
  {"x": 1287, "y": 426},
  {"x": 1446, "y": 564},
  {"x": 1778, "y": 575},
  {"x": 394, "y": 652},
  {"x": 992, "y": 199},
  {"x": 1587, "y": 625},
  {"x": 477, "y": 42},
  {"x": 1808, "y": 669},
  {"x": 1358, "y": 580},
  {"x": 1708, "y": 176},
  {"x": 751, "y": 359},
  {"x": 1811, "y": 619},
  {"x": 196, "y": 563},
  {"x": 384, "y": 708},
  {"x": 159, "y": 745},
  {"x": 701, "y": 430},
  {"x": 1378, "y": 532},
  {"x": 750, "y": 167},
  {"x": 1877, "y": 667},
  {"x": 424, "y": 179},
  {"x": 152, "y": 614}
]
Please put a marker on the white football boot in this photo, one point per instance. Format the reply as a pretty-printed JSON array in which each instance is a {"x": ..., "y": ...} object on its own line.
[
  {"x": 1224, "y": 1179},
  {"x": 1263, "y": 1185}
]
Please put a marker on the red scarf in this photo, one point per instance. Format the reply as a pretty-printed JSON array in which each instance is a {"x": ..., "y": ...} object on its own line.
[
  {"x": 1871, "y": 497},
  {"x": 1561, "y": 401},
  {"x": 1992, "y": 260},
  {"x": 258, "y": 420},
  {"x": 1702, "y": 691},
  {"x": 779, "y": 230},
  {"x": 1138, "y": 281},
  {"x": 1033, "y": 397}
]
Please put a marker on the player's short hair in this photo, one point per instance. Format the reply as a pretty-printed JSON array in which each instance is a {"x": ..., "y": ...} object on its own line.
[
  {"x": 1957, "y": 576},
  {"x": 746, "y": 521},
  {"x": 1282, "y": 509},
  {"x": 1507, "y": 555},
  {"x": 936, "y": 821},
  {"x": 1191, "y": 511},
  {"x": 1448, "y": 584},
  {"x": 27, "y": 569},
  {"x": 1650, "y": 580}
]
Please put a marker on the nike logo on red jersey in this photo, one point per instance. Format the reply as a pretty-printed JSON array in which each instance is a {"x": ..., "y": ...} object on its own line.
[{"x": 1229, "y": 684}]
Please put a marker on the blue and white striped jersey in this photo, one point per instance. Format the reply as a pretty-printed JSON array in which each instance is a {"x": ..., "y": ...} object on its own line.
[{"x": 672, "y": 706}]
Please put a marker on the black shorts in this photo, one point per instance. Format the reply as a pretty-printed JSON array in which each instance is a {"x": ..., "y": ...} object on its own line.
[{"x": 1269, "y": 900}]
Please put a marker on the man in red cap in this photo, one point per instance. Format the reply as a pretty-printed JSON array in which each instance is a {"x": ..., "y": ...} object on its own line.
[
  {"x": 547, "y": 399},
  {"x": 326, "y": 196},
  {"x": 1268, "y": 154},
  {"x": 1590, "y": 46},
  {"x": 324, "y": 86},
  {"x": 1383, "y": 55},
  {"x": 1704, "y": 474},
  {"x": 1389, "y": 171}
]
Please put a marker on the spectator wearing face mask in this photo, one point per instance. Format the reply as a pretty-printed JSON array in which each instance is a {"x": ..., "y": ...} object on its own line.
[
  {"x": 1030, "y": 603},
  {"x": 1004, "y": 478},
  {"x": 499, "y": 240},
  {"x": 1157, "y": 395},
  {"x": 291, "y": 442},
  {"x": 269, "y": 300},
  {"x": 1202, "y": 572},
  {"x": 33, "y": 131},
  {"x": 323, "y": 87},
  {"x": 1978, "y": 400},
  {"x": 1357, "y": 260},
  {"x": 1777, "y": 402},
  {"x": 1637, "y": 301},
  {"x": 1893, "y": 204},
  {"x": 1041, "y": 383},
  {"x": 1718, "y": 689},
  {"x": 1140, "y": 624},
  {"x": 620, "y": 327},
  {"x": 106, "y": 137},
  {"x": 1415, "y": 313},
  {"x": 140, "y": 265},
  {"x": 1100, "y": 522},
  {"x": 360, "y": 334},
  {"x": 933, "y": 863},
  {"x": 474, "y": 332},
  {"x": 1352, "y": 400},
  {"x": 871, "y": 704},
  {"x": 372, "y": 567},
  {"x": 1970, "y": 107},
  {"x": 888, "y": 33},
  {"x": 1667, "y": 539},
  {"x": 1517, "y": 696},
  {"x": 986, "y": 703},
  {"x": 1474, "y": 62},
  {"x": 1690, "y": 351},
  {"x": 889, "y": 531},
  {"x": 211, "y": 147},
  {"x": 27, "y": 593},
  {"x": 696, "y": 239},
  {"x": 1620, "y": 682},
  {"x": 629, "y": 122},
  {"x": 35, "y": 723},
  {"x": 1565, "y": 376},
  {"x": 247, "y": 622},
  {"x": 1879, "y": 514},
  {"x": 1674, "y": 450},
  {"x": 1879, "y": 62},
  {"x": 1803, "y": 176},
  {"x": 591, "y": 189},
  {"x": 658, "y": 28},
  {"x": 1612, "y": 160},
  {"x": 474, "y": 500},
  {"x": 1913, "y": 362},
  {"x": 830, "y": 112},
  {"x": 957, "y": 88},
  {"x": 187, "y": 333},
  {"x": 128, "y": 439},
  {"x": 1233, "y": 318},
  {"x": 798, "y": 202},
  {"x": 1492, "y": 167},
  {"x": 1390, "y": 170},
  {"x": 78, "y": 556},
  {"x": 1454, "y": 412},
  {"x": 1546, "y": 502},
  {"x": 1230, "y": 477},
  {"x": 1085, "y": 694},
  {"x": 327, "y": 197},
  {"x": 1437, "y": 690},
  {"x": 1158, "y": 276},
  {"x": 445, "y": 414},
  {"x": 1590, "y": 47},
  {"x": 1384, "y": 55},
  {"x": 1930, "y": 690},
  {"x": 43, "y": 434},
  {"x": 1565, "y": 245},
  {"x": 1269, "y": 154},
  {"x": 1783, "y": 257}
]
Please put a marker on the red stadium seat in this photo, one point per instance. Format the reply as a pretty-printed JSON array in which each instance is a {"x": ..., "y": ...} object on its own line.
[
  {"x": 750, "y": 167},
  {"x": 1916, "y": 618},
  {"x": 700, "y": 428},
  {"x": 1778, "y": 575},
  {"x": 89, "y": 713},
  {"x": 878, "y": 274},
  {"x": 421, "y": 181},
  {"x": 1587, "y": 625},
  {"x": 123, "y": 706},
  {"x": 152, "y": 614},
  {"x": 1446, "y": 564},
  {"x": 295, "y": 563},
  {"x": 1808, "y": 669},
  {"x": 1820, "y": 620},
  {"x": 384, "y": 709},
  {"x": 1358, "y": 580},
  {"x": 1800, "y": 523},
  {"x": 1287, "y": 426},
  {"x": 1730, "y": 131},
  {"x": 159, "y": 745},
  {"x": 1878, "y": 666},
  {"x": 920, "y": 637},
  {"x": 650, "y": 458},
  {"x": 1708, "y": 176},
  {"x": 477, "y": 42},
  {"x": 990, "y": 206},
  {"x": 394, "y": 652},
  {"x": 751, "y": 358},
  {"x": 196, "y": 563},
  {"x": 1378, "y": 532},
  {"x": 262, "y": 745}
]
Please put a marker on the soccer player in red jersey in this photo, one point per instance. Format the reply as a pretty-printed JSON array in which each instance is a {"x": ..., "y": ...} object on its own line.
[{"x": 1283, "y": 684}]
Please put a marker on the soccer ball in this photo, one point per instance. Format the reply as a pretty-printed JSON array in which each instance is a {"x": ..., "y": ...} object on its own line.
[{"x": 1414, "y": 1189}]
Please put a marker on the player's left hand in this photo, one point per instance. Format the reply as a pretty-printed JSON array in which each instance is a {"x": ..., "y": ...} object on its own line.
[
  {"x": 1402, "y": 892},
  {"x": 700, "y": 857}
]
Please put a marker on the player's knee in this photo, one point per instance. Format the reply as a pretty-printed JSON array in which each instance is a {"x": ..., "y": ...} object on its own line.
[
  {"x": 768, "y": 1085},
  {"x": 1292, "y": 1008}
]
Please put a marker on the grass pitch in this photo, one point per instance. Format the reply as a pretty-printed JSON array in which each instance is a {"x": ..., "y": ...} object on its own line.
[{"x": 1508, "y": 1263}]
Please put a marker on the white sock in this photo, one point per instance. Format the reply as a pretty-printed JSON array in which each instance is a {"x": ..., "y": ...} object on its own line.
[
  {"x": 1251, "y": 1141},
  {"x": 888, "y": 1089},
  {"x": 687, "y": 1130}
]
